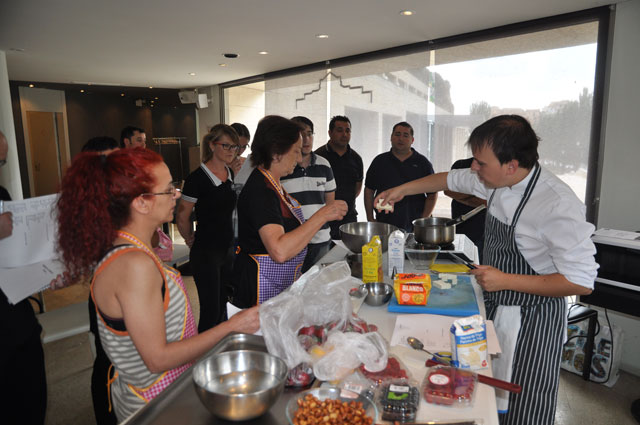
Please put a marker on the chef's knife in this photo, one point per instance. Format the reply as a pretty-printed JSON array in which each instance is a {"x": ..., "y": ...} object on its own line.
[{"x": 460, "y": 260}]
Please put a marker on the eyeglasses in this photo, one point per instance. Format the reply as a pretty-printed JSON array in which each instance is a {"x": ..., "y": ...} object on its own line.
[
  {"x": 241, "y": 148},
  {"x": 173, "y": 191},
  {"x": 228, "y": 147}
]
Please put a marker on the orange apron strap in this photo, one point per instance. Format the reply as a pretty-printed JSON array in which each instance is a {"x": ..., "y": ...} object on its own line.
[{"x": 109, "y": 382}]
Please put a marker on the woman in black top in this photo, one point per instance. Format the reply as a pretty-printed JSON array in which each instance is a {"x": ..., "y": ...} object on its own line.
[
  {"x": 273, "y": 234},
  {"x": 209, "y": 190}
]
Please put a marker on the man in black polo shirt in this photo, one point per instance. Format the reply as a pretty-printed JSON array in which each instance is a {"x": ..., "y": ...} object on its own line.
[
  {"x": 347, "y": 169},
  {"x": 400, "y": 165}
]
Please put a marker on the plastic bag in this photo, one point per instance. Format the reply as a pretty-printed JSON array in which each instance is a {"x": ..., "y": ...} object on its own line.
[
  {"x": 319, "y": 297},
  {"x": 601, "y": 362},
  {"x": 346, "y": 351}
]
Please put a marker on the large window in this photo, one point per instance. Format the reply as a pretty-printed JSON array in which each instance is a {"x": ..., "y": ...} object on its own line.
[{"x": 546, "y": 75}]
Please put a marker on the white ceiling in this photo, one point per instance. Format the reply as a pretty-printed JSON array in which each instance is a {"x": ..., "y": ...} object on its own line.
[{"x": 159, "y": 42}]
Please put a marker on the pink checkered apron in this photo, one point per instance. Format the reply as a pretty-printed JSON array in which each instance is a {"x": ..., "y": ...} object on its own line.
[
  {"x": 273, "y": 277},
  {"x": 139, "y": 382}
]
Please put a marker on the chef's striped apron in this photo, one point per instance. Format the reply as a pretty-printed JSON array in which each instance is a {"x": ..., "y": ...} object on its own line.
[
  {"x": 274, "y": 277},
  {"x": 538, "y": 344},
  {"x": 133, "y": 384}
]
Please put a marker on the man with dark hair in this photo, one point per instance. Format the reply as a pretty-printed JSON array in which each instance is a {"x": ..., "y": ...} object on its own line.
[
  {"x": 133, "y": 137},
  {"x": 400, "y": 165},
  {"x": 22, "y": 370},
  {"x": 103, "y": 144},
  {"x": 312, "y": 185},
  {"x": 462, "y": 203},
  {"x": 347, "y": 168},
  {"x": 537, "y": 251}
]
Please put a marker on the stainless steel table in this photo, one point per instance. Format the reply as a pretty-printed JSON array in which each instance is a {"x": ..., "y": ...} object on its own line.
[{"x": 179, "y": 403}]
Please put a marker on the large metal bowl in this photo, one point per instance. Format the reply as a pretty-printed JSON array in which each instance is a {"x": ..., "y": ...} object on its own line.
[
  {"x": 432, "y": 230},
  {"x": 239, "y": 385},
  {"x": 355, "y": 235}
]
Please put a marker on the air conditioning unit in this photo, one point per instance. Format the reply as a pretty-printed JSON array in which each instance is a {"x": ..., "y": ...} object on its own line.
[{"x": 188, "y": 96}]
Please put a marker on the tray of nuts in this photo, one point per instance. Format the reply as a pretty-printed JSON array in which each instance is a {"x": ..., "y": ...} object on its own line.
[{"x": 331, "y": 406}]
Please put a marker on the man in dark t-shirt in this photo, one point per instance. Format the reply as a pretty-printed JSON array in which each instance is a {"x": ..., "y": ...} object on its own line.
[
  {"x": 347, "y": 168},
  {"x": 400, "y": 165},
  {"x": 462, "y": 203}
]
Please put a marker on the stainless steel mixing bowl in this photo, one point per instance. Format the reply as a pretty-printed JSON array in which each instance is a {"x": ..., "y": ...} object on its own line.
[
  {"x": 354, "y": 235},
  {"x": 379, "y": 293},
  {"x": 239, "y": 385}
]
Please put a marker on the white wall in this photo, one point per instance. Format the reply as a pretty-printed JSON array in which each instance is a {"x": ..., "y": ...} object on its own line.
[
  {"x": 210, "y": 116},
  {"x": 620, "y": 189},
  {"x": 10, "y": 173}
]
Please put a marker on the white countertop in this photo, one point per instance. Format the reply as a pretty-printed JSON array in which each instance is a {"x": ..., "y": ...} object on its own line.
[{"x": 484, "y": 405}]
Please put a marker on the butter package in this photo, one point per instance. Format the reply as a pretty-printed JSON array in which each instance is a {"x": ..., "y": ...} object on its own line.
[
  {"x": 469, "y": 343},
  {"x": 372, "y": 261},
  {"x": 412, "y": 288},
  {"x": 395, "y": 252}
]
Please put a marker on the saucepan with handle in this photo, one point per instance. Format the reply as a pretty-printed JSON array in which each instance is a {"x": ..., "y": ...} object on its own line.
[{"x": 440, "y": 230}]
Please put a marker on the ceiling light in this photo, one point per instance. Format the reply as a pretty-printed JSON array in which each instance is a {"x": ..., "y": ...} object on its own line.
[
  {"x": 122, "y": 94},
  {"x": 222, "y": 64},
  {"x": 407, "y": 12},
  {"x": 322, "y": 35},
  {"x": 150, "y": 87},
  {"x": 263, "y": 53},
  {"x": 156, "y": 98},
  {"x": 31, "y": 85},
  {"x": 230, "y": 55},
  {"x": 82, "y": 91},
  {"x": 193, "y": 74}
]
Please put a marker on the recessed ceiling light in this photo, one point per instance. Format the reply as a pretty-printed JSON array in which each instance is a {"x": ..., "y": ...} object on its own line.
[
  {"x": 407, "y": 12},
  {"x": 222, "y": 64},
  {"x": 31, "y": 85},
  {"x": 121, "y": 94},
  {"x": 150, "y": 87},
  {"x": 322, "y": 35},
  {"x": 156, "y": 98},
  {"x": 263, "y": 52},
  {"x": 82, "y": 91},
  {"x": 193, "y": 74},
  {"x": 230, "y": 55}
]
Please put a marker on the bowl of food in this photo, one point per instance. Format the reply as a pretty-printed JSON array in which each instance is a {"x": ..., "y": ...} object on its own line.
[
  {"x": 239, "y": 385},
  {"x": 421, "y": 255},
  {"x": 379, "y": 293},
  {"x": 340, "y": 405},
  {"x": 355, "y": 235}
]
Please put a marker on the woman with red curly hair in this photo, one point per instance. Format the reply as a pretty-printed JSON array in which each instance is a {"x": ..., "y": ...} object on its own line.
[{"x": 144, "y": 317}]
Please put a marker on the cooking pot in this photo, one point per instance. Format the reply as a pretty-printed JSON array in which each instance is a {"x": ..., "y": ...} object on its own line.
[
  {"x": 440, "y": 230},
  {"x": 434, "y": 231}
]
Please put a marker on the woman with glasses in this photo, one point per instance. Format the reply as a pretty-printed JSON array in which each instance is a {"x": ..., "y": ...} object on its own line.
[
  {"x": 209, "y": 189},
  {"x": 273, "y": 234},
  {"x": 144, "y": 318}
]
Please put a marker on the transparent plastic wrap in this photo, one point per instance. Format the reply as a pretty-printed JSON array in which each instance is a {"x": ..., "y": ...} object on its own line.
[
  {"x": 449, "y": 386},
  {"x": 394, "y": 369},
  {"x": 357, "y": 383},
  {"x": 346, "y": 351},
  {"x": 318, "y": 304}
]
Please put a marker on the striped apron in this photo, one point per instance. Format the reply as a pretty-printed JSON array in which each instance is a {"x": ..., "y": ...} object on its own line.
[
  {"x": 273, "y": 277},
  {"x": 530, "y": 328},
  {"x": 133, "y": 385}
]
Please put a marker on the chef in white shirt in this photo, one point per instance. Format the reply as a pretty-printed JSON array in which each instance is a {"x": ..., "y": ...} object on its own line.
[{"x": 537, "y": 251}]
